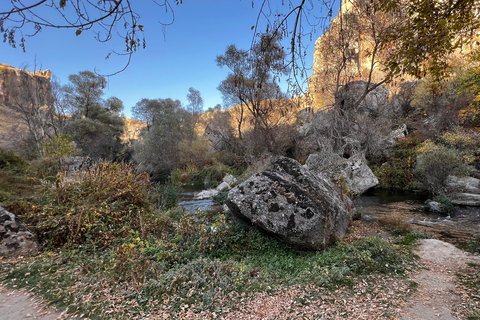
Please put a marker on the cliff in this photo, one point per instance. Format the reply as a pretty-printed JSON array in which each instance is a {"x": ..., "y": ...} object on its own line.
[
  {"x": 20, "y": 88},
  {"x": 24, "y": 87}
]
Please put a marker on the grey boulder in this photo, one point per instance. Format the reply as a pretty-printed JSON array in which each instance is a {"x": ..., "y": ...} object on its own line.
[
  {"x": 15, "y": 239},
  {"x": 293, "y": 204}
]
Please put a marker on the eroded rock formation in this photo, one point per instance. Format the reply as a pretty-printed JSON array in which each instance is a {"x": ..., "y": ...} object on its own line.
[
  {"x": 292, "y": 204},
  {"x": 15, "y": 239}
]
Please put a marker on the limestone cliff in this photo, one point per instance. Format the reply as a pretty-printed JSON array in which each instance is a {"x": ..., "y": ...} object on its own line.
[
  {"x": 20, "y": 88},
  {"x": 344, "y": 52},
  {"x": 24, "y": 87}
]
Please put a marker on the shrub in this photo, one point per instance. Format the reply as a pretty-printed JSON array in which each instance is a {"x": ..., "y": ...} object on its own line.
[
  {"x": 4, "y": 196},
  {"x": 91, "y": 207},
  {"x": 196, "y": 152},
  {"x": 210, "y": 176},
  {"x": 463, "y": 143},
  {"x": 434, "y": 164},
  {"x": 11, "y": 161}
]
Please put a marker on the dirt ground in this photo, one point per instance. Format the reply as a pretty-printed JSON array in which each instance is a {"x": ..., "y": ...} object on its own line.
[
  {"x": 436, "y": 297},
  {"x": 19, "y": 304}
]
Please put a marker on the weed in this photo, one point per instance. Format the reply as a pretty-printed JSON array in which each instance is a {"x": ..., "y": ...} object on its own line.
[
  {"x": 395, "y": 224},
  {"x": 412, "y": 237}
]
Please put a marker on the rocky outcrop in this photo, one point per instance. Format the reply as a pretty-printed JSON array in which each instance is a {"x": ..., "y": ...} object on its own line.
[
  {"x": 358, "y": 176},
  {"x": 292, "y": 204},
  {"x": 23, "y": 87},
  {"x": 463, "y": 190},
  {"x": 20, "y": 88},
  {"x": 375, "y": 101},
  {"x": 15, "y": 239}
]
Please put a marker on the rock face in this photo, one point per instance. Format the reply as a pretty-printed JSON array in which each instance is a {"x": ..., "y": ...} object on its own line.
[
  {"x": 292, "y": 204},
  {"x": 463, "y": 190},
  {"x": 15, "y": 239},
  {"x": 374, "y": 102},
  {"x": 358, "y": 176},
  {"x": 20, "y": 87}
]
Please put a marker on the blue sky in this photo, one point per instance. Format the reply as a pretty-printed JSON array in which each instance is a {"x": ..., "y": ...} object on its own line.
[{"x": 175, "y": 59}]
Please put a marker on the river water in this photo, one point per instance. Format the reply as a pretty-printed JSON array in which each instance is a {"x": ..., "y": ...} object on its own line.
[{"x": 458, "y": 228}]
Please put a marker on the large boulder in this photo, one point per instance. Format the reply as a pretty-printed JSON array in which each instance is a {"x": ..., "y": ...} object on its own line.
[
  {"x": 15, "y": 239},
  {"x": 357, "y": 174},
  {"x": 292, "y": 204}
]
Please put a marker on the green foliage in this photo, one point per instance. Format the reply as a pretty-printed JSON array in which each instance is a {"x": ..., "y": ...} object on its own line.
[
  {"x": 434, "y": 163},
  {"x": 196, "y": 152},
  {"x": 166, "y": 195},
  {"x": 4, "y": 196},
  {"x": 59, "y": 147},
  {"x": 54, "y": 150},
  {"x": 448, "y": 207},
  {"x": 397, "y": 173},
  {"x": 470, "y": 84},
  {"x": 95, "y": 125},
  {"x": 158, "y": 151},
  {"x": 430, "y": 31},
  {"x": 412, "y": 237},
  {"x": 196, "y": 259},
  {"x": 220, "y": 197},
  {"x": 10, "y": 160},
  {"x": 463, "y": 143}
]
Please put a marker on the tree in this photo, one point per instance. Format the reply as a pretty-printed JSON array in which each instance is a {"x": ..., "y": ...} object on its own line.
[
  {"x": 107, "y": 19},
  {"x": 252, "y": 85},
  {"x": 145, "y": 111},
  {"x": 430, "y": 31},
  {"x": 195, "y": 105},
  {"x": 95, "y": 124},
  {"x": 119, "y": 18},
  {"x": 157, "y": 150}
]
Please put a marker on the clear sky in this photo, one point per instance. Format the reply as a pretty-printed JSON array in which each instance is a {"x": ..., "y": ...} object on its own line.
[{"x": 176, "y": 58}]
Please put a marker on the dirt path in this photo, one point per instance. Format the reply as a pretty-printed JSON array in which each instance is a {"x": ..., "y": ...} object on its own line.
[
  {"x": 19, "y": 304},
  {"x": 437, "y": 296}
]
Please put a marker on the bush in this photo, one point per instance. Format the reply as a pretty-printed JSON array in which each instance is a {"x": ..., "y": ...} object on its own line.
[
  {"x": 4, "y": 196},
  {"x": 210, "y": 176},
  {"x": 463, "y": 143},
  {"x": 434, "y": 164},
  {"x": 90, "y": 207},
  {"x": 11, "y": 161}
]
